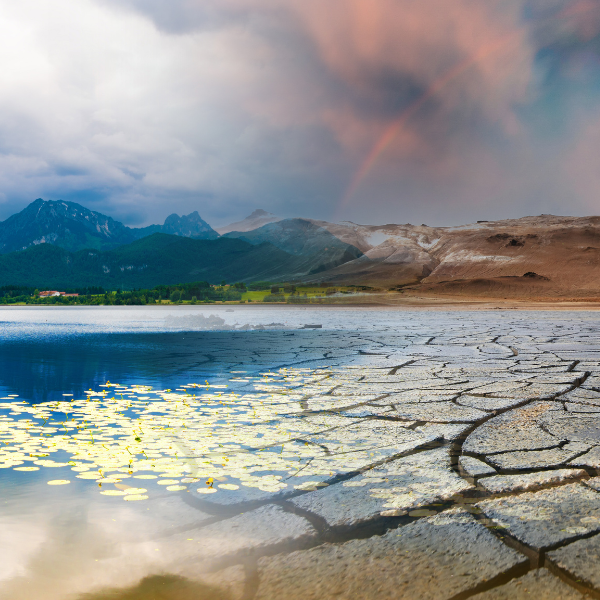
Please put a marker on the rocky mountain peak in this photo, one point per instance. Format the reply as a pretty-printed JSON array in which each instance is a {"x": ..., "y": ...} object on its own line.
[
  {"x": 74, "y": 227},
  {"x": 191, "y": 225},
  {"x": 259, "y": 212},
  {"x": 257, "y": 219}
]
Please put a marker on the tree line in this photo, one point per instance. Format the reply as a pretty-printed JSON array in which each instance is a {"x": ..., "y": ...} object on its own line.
[{"x": 198, "y": 291}]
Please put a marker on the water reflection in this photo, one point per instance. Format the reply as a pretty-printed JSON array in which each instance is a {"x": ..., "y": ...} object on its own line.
[
  {"x": 42, "y": 370},
  {"x": 56, "y": 545},
  {"x": 59, "y": 542},
  {"x": 163, "y": 587}
]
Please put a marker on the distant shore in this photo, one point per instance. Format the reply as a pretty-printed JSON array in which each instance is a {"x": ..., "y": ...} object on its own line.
[{"x": 371, "y": 301}]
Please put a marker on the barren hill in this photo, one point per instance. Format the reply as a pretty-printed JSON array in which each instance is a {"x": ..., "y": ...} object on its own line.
[{"x": 561, "y": 256}]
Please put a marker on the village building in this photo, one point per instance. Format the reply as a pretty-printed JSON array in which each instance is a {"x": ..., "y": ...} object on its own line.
[{"x": 51, "y": 293}]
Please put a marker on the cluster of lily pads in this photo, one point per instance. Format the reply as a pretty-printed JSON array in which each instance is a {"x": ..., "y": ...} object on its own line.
[{"x": 130, "y": 439}]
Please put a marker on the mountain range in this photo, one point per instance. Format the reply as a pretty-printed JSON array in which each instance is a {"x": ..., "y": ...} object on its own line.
[
  {"x": 64, "y": 243},
  {"x": 74, "y": 227},
  {"x": 153, "y": 260}
]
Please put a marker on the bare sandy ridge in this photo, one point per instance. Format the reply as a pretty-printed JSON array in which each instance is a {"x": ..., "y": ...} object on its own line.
[
  {"x": 404, "y": 301},
  {"x": 561, "y": 256}
]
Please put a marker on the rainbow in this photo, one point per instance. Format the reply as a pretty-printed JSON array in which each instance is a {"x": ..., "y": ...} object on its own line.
[{"x": 392, "y": 130}]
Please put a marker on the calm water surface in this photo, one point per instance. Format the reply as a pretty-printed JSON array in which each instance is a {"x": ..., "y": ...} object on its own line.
[{"x": 53, "y": 538}]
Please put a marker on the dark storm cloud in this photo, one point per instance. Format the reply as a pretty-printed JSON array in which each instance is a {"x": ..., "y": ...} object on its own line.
[{"x": 396, "y": 110}]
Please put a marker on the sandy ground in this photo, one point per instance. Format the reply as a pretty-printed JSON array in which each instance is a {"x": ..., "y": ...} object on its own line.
[{"x": 411, "y": 302}]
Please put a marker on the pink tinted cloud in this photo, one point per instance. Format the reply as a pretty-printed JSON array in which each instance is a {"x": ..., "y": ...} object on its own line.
[
  {"x": 363, "y": 42},
  {"x": 581, "y": 164},
  {"x": 420, "y": 97},
  {"x": 374, "y": 53},
  {"x": 352, "y": 68}
]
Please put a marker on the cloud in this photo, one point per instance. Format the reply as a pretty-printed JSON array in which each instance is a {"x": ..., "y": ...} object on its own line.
[
  {"x": 395, "y": 110},
  {"x": 95, "y": 100}
]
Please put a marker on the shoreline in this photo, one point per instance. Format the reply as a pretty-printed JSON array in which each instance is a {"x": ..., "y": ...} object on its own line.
[{"x": 383, "y": 302}]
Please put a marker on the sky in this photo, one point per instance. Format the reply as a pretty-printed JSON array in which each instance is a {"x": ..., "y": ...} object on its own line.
[{"x": 375, "y": 111}]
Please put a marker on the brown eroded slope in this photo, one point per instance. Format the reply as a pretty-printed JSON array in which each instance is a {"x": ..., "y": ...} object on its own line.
[
  {"x": 486, "y": 258},
  {"x": 392, "y": 254}
]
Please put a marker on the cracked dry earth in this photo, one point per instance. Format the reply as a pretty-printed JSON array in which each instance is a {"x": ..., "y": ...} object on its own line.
[
  {"x": 481, "y": 480},
  {"x": 449, "y": 457}
]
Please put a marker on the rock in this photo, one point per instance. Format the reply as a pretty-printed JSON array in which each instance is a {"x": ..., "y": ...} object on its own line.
[
  {"x": 581, "y": 394},
  {"x": 368, "y": 410},
  {"x": 545, "y": 391},
  {"x": 576, "y": 407},
  {"x": 447, "y": 432},
  {"x": 593, "y": 483},
  {"x": 589, "y": 459},
  {"x": 499, "y": 387},
  {"x": 488, "y": 404},
  {"x": 570, "y": 378},
  {"x": 536, "y": 585},
  {"x": 516, "y": 430},
  {"x": 579, "y": 428},
  {"x": 432, "y": 559},
  {"x": 383, "y": 438},
  {"x": 391, "y": 388},
  {"x": 537, "y": 459},
  {"x": 318, "y": 403},
  {"x": 418, "y": 396},
  {"x": 204, "y": 548},
  {"x": 439, "y": 412},
  {"x": 389, "y": 490},
  {"x": 543, "y": 519},
  {"x": 580, "y": 560},
  {"x": 592, "y": 382},
  {"x": 337, "y": 450},
  {"x": 520, "y": 483},
  {"x": 475, "y": 468}
]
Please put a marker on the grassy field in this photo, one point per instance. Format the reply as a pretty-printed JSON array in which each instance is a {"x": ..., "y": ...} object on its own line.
[
  {"x": 308, "y": 292},
  {"x": 311, "y": 293},
  {"x": 304, "y": 294}
]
